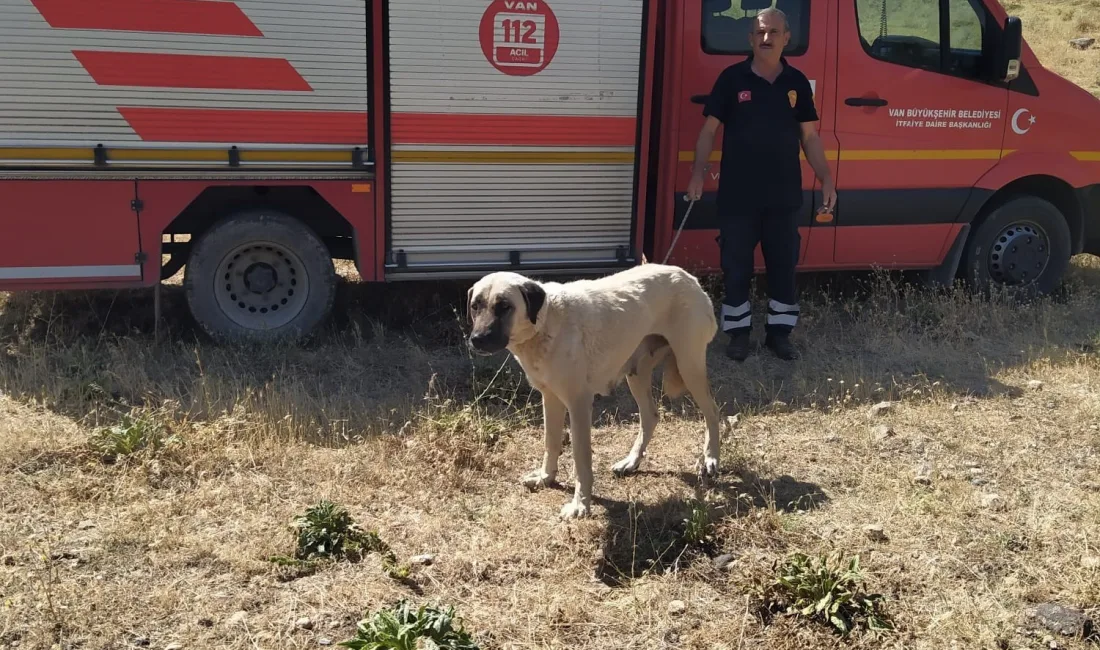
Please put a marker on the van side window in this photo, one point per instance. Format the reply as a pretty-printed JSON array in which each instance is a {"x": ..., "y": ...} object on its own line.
[
  {"x": 908, "y": 32},
  {"x": 727, "y": 23}
]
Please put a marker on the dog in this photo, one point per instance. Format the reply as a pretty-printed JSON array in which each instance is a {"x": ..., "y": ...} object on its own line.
[{"x": 580, "y": 339}]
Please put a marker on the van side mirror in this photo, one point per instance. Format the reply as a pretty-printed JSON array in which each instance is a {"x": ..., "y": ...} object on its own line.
[{"x": 1012, "y": 46}]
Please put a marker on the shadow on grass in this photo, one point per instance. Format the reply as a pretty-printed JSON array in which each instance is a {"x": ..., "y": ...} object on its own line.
[
  {"x": 865, "y": 337},
  {"x": 672, "y": 534}
]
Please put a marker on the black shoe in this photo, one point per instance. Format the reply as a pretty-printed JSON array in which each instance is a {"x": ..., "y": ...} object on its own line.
[
  {"x": 781, "y": 346},
  {"x": 738, "y": 346}
]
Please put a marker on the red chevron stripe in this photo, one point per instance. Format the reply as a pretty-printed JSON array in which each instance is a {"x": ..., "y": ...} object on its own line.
[
  {"x": 246, "y": 126},
  {"x": 190, "y": 71},
  {"x": 166, "y": 16}
]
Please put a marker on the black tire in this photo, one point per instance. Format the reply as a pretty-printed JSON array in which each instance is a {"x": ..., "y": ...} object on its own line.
[
  {"x": 1022, "y": 246},
  {"x": 259, "y": 277}
]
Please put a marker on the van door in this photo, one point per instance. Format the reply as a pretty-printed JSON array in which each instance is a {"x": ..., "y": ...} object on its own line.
[
  {"x": 917, "y": 123},
  {"x": 715, "y": 36}
]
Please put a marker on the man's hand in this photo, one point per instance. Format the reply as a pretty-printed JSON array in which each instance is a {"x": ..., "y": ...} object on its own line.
[
  {"x": 703, "y": 145},
  {"x": 828, "y": 194},
  {"x": 815, "y": 154},
  {"x": 695, "y": 187}
]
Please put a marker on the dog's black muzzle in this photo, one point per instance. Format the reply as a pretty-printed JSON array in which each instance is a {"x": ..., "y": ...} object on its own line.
[{"x": 488, "y": 342}]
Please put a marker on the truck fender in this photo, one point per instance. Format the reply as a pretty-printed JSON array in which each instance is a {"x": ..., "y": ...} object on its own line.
[
  {"x": 1020, "y": 164},
  {"x": 1046, "y": 167}
]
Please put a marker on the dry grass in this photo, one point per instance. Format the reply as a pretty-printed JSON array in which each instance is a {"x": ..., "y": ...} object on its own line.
[
  {"x": 168, "y": 545},
  {"x": 1049, "y": 25},
  {"x": 387, "y": 416}
]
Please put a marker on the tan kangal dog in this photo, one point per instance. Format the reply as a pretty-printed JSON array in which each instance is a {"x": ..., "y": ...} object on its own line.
[{"x": 580, "y": 339}]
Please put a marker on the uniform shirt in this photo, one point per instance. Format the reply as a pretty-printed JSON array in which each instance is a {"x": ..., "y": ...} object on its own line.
[{"x": 761, "y": 137}]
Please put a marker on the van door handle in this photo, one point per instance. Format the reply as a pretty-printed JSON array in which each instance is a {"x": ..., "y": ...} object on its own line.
[
  {"x": 699, "y": 99},
  {"x": 865, "y": 101}
]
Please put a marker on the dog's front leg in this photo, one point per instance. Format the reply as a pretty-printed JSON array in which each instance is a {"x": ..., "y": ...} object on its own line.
[
  {"x": 553, "y": 416},
  {"x": 580, "y": 426}
]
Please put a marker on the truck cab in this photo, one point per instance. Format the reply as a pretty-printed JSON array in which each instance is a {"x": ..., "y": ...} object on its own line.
[{"x": 953, "y": 150}]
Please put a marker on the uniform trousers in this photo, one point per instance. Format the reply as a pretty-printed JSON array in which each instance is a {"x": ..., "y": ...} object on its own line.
[{"x": 776, "y": 230}]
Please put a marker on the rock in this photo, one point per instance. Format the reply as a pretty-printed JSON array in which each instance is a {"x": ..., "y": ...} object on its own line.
[
  {"x": 677, "y": 607},
  {"x": 1090, "y": 562},
  {"x": 723, "y": 562},
  {"x": 141, "y": 642},
  {"x": 993, "y": 502},
  {"x": 1035, "y": 384},
  {"x": 874, "y": 532},
  {"x": 174, "y": 646},
  {"x": 924, "y": 474},
  {"x": 882, "y": 432},
  {"x": 238, "y": 617},
  {"x": 882, "y": 408},
  {"x": 86, "y": 524},
  {"x": 979, "y": 481},
  {"x": 1082, "y": 43},
  {"x": 324, "y": 641},
  {"x": 425, "y": 559},
  {"x": 1060, "y": 620},
  {"x": 304, "y": 623}
]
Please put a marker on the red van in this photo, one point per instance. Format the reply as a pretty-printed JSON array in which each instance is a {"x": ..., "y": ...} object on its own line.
[{"x": 252, "y": 142}]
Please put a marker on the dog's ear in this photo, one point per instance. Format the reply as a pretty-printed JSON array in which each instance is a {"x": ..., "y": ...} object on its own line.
[
  {"x": 534, "y": 296},
  {"x": 469, "y": 303}
]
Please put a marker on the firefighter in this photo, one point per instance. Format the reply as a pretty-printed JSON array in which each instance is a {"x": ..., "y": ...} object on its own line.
[{"x": 766, "y": 106}]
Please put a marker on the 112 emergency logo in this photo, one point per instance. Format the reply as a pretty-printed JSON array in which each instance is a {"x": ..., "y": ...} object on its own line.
[{"x": 519, "y": 37}]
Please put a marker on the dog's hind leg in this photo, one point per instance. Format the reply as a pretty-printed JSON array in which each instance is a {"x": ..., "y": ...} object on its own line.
[
  {"x": 647, "y": 411},
  {"x": 553, "y": 417},
  {"x": 692, "y": 364}
]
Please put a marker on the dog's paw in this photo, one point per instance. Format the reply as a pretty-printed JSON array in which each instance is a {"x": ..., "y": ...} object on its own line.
[
  {"x": 537, "y": 479},
  {"x": 628, "y": 465},
  {"x": 574, "y": 510},
  {"x": 707, "y": 467}
]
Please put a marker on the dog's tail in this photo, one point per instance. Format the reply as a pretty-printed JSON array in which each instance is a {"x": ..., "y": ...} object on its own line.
[{"x": 672, "y": 381}]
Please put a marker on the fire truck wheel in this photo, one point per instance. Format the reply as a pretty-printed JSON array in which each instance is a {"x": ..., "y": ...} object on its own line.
[
  {"x": 259, "y": 276},
  {"x": 1023, "y": 246}
]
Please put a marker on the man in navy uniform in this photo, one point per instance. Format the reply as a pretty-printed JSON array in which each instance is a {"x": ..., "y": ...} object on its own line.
[{"x": 767, "y": 109}]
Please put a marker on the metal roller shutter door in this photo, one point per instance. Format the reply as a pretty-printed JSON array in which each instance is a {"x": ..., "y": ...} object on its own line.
[
  {"x": 486, "y": 163},
  {"x": 288, "y": 56}
]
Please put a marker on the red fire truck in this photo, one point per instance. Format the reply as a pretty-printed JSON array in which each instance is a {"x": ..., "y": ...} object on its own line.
[{"x": 251, "y": 142}]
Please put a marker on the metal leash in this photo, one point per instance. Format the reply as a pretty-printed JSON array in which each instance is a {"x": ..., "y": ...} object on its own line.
[{"x": 680, "y": 229}]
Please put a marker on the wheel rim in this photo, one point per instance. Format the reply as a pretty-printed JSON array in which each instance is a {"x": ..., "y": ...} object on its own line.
[
  {"x": 1019, "y": 254},
  {"x": 261, "y": 285}
]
